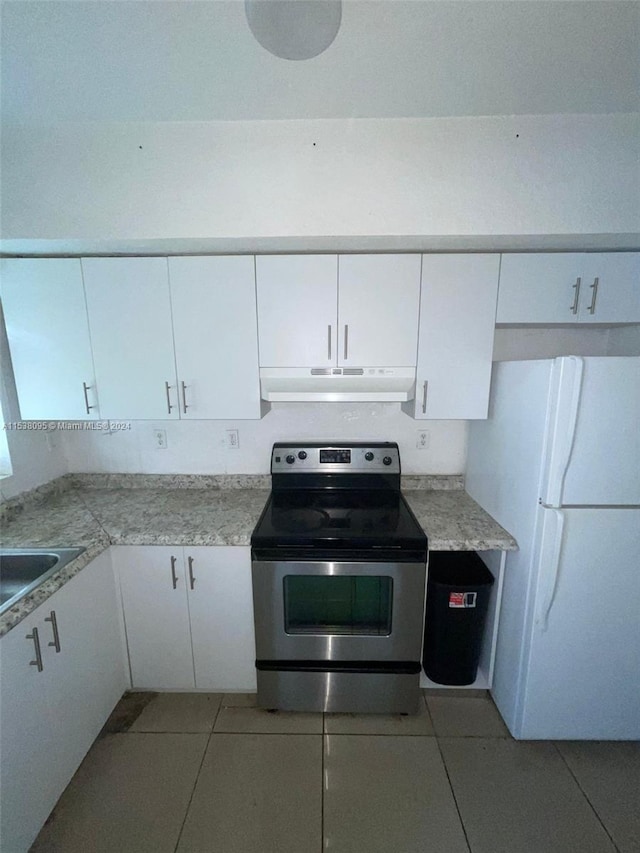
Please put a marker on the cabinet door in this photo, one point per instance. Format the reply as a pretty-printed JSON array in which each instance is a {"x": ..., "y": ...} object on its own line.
[
  {"x": 457, "y": 321},
  {"x": 27, "y": 737},
  {"x": 89, "y": 670},
  {"x": 213, "y": 302},
  {"x": 544, "y": 288},
  {"x": 48, "y": 332},
  {"x": 297, "y": 310},
  {"x": 50, "y": 718},
  {"x": 610, "y": 288},
  {"x": 154, "y": 598},
  {"x": 378, "y": 306},
  {"x": 132, "y": 336},
  {"x": 221, "y": 608}
]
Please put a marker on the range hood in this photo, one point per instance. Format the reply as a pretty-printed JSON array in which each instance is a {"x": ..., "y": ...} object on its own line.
[{"x": 338, "y": 384}]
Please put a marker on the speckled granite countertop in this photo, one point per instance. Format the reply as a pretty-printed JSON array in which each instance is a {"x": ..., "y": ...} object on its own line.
[{"x": 96, "y": 511}]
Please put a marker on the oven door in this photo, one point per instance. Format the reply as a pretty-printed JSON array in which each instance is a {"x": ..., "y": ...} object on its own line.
[{"x": 338, "y": 611}]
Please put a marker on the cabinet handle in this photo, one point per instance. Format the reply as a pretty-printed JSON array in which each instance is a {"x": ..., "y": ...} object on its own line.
[
  {"x": 424, "y": 396},
  {"x": 576, "y": 287},
  {"x": 174, "y": 577},
  {"x": 192, "y": 580},
  {"x": 346, "y": 341},
  {"x": 329, "y": 342},
  {"x": 36, "y": 642},
  {"x": 594, "y": 287},
  {"x": 184, "y": 398},
  {"x": 169, "y": 406},
  {"x": 54, "y": 626},
  {"x": 85, "y": 388}
]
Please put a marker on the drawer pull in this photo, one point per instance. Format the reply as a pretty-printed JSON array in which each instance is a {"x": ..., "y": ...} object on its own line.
[
  {"x": 576, "y": 287},
  {"x": 594, "y": 287},
  {"x": 54, "y": 626},
  {"x": 36, "y": 642}
]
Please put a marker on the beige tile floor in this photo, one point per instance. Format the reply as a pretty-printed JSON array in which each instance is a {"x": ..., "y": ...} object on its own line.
[{"x": 206, "y": 773}]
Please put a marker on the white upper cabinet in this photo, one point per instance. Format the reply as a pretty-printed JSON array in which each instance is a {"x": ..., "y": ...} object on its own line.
[
  {"x": 213, "y": 302},
  {"x": 297, "y": 310},
  {"x": 457, "y": 321},
  {"x": 321, "y": 311},
  {"x": 611, "y": 288},
  {"x": 378, "y": 306},
  {"x": 48, "y": 332},
  {"x": 132, "y": 336},
  {"x": 559, "y": 288}
]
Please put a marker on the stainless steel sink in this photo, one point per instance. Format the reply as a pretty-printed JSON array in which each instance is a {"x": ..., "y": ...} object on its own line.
[{"x": 23, "y": 569}]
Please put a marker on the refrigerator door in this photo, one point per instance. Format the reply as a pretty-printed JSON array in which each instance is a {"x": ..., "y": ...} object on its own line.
[
  {"x": 580, "y": 677},
  {"x": 593, "y": 451}
]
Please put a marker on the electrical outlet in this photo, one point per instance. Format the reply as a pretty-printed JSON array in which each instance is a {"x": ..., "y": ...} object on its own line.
[
  {"x": 160, "y": 439},
  {"x": 233, "y": 439},
  {"x": 422, "y": 441}
]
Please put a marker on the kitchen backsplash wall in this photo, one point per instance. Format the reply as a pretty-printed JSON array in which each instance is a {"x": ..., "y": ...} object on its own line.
[{"x": 200, "y": 447}]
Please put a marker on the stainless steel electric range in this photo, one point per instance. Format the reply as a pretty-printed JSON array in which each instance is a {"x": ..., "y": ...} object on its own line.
[{"x": 339, "y": 566}]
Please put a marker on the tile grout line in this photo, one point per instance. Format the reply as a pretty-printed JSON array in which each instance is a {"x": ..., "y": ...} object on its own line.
[
  {"x": 453, "y": 794},
  {"x": 582, "y": 791},
  {"x": 323, "y": 735},
  {"x": 195, "y": 783}
]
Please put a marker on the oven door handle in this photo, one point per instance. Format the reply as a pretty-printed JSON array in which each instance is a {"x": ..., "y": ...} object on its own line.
[{"x": 403, "y": 667}]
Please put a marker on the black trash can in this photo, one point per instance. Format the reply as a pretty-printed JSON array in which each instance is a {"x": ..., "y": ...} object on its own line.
[{"x": 458, "y": 591}]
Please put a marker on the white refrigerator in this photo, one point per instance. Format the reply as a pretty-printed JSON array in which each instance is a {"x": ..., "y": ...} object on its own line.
[{"x": 557, "y": 463}]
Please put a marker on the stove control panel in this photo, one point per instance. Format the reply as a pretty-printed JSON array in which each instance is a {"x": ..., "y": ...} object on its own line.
[{"x": 335, "y": 458}]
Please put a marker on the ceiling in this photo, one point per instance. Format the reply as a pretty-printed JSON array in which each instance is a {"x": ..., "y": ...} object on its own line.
[{"x": 197, "y": 61}]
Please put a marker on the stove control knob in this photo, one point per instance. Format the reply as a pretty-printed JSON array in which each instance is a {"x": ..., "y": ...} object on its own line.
[
  {"x": 302, "y": 454},
  {"x": 387, "y": 460},
  {"x": 291, "y": 459},
  {"x": 368, "y": 456}
]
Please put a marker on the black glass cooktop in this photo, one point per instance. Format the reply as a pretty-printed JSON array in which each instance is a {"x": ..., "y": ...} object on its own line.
[{"x": 341, "y": 518}]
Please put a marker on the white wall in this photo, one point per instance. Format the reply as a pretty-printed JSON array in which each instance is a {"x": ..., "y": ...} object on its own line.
[
  {"x": 624, "y": 340},
  {"x": 277, "y": 185},
  {"x": 516, "y": 344},
  {"x": 36, "y": 457},
  {"x": 198, "y": 447}
]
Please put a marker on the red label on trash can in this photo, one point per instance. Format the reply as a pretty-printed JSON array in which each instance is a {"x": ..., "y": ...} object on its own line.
[{"x": 462, "y": 599}]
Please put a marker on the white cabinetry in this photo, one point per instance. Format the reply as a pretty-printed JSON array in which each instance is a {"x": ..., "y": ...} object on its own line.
[
  {"x": 297, "y": 310},
  {"x": 321, "y": 310},
  {"x": 379, "y": 298},
  {"x": 213, "y": 302},
  {"x": 48, "y": 332},
  {"x": 221, "y": 611},
  {"x": 457, "y": 319},
  {"x": 132, "y": 336},
  {"x": 50, "y": 717},
  {"x": 611, "y": 288},
  {"x": 156, "y": 616},
  {"x": 567, "y": 288},
  {"x": 189, "y": 616}
]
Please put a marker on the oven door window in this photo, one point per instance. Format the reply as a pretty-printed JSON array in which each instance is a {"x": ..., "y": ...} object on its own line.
[{"x": 349, "y": 604}]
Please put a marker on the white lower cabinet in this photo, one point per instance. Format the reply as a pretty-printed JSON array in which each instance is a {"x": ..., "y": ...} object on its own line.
[
  {"x": 221, "y": 610},
  {"x": 156, "y": 616},
  {"x": 189, "y": 617},
  {"x": 49, "y": 717}
]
